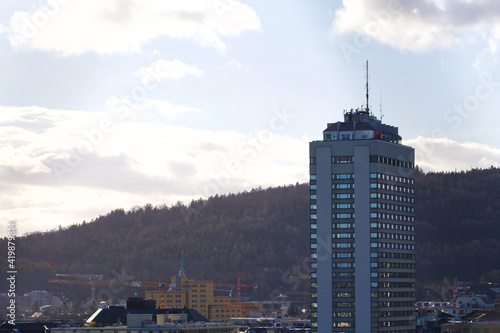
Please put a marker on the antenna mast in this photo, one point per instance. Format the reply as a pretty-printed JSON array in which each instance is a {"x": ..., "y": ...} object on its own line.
[
  {"x": 367, "y": 105},
  {"x": 381, "y": 114}
]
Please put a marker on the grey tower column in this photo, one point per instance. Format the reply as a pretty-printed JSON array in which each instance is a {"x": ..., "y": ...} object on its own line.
[
  {"x": 324, "y": 213},
  {"x": 362, "y": 238}
]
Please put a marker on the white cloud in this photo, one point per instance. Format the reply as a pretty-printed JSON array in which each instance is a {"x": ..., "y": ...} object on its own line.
[
  {"x": 118, "y": 26},
  {"x": 73, "y": 168},
  {"x": 235, "y": 63},
  {"x": 162, "y": 70},
  {"x": 421, "y": 25},
  {"x": 441, "y": 154},
  {"x": 131, "y": 109}
]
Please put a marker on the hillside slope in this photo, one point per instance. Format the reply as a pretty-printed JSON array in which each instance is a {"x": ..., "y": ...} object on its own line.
[{"x": 262, "y": 236}]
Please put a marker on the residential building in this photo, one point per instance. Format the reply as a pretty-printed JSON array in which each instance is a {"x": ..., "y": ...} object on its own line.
[
  {"x": 467, "y": 304},
  {"x": 362, "y": 228}
]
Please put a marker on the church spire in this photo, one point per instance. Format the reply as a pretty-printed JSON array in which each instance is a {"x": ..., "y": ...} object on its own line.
[{"x": 182, "y": 271}]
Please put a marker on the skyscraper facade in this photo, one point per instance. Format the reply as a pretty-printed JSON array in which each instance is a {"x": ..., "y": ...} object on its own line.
[{"x": 362, "y": 228}]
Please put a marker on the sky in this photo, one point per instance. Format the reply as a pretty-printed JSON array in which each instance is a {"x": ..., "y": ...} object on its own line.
[{"x": 121, "y": 103}]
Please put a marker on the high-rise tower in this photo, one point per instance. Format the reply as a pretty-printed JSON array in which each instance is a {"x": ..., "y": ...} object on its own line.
[{"x": 362, "y": 228}]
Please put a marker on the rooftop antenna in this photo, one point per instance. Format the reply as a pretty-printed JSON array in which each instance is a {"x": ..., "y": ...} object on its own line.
[
  {"x": 367, "y": 107},
  {"x": 381, "y": 114}
]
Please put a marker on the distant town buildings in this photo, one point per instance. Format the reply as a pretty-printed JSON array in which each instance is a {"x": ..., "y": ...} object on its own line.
[
  {"x": 199, "y": 295},
  {"x": 38, "y": 298},
  {"x": 362, "y": 228}
]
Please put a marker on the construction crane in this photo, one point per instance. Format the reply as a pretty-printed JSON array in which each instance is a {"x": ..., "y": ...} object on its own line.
[
  {"x": 91, "y": 278},
  {"x": 32, "y": 266},
  {"x": 454, "y": 288},
  {"x": 238, "y": 287},
  {"x": 94, "y": 280}
]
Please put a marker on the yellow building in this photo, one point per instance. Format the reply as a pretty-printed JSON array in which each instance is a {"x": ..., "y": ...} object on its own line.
[{"x": 199, "y": 295}]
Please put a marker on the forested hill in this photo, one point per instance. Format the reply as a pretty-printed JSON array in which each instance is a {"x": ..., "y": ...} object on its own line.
[{"x": 263, "y": 237}]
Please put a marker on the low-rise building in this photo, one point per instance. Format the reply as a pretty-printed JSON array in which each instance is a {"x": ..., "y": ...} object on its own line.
[
  {"x": 143, "y": 323},
  {"x": 467, "y": 304},
  {"x": 137, "y": 307}
]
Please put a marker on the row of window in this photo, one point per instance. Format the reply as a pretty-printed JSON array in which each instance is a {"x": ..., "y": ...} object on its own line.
[
  {"x": 379, "y": 225},
  {"x": 228, "y": 310},
  {"x": 392, "y": 255},
  {"x": 392, "y": 236},
  {"x": 314, "y": 328},
  {"x": 392, "y": 178},
  {"x": 342, "y": 235},
  {"x": 373, "y": 245},
  {"x": 338, "y": 255},
  {"x": 395, "y": 217},
  {"x": 314, "y": 206},
  {"x": 391, "y": 161},
  {"x": 347, "y": 255},
  {"x": 387, "y": 187},
  {"x": 394, "y": 246},
  {"x": 373, "y": 159},
  {"x": 383, "y": 294},
  {"x": 343, "y": 225},
  {"x": 392, "y": 226},
  {"x": 375, "y": 314},
  {"x": 393, "y": 304},
  {"x": 379, "y": 284},
  {"x": 379, "y": 205},
  {"x": 385, "y": 314},
  {"x": 343, "y": 265},
  {"x": 398, "y": 265},
  {"x": 343, "y": 216},
  {"x": 343, "y": 176},
  {"x": 342, "y": 159},
  {"x": 343, "y": 274},
  {"x": 394, "y": 323},
  {"x": 395, "y": 285},
  {"x": 343, "y": 304},
  {"x": 373, "y": 175},
  {"x": 343, "y": 324},
  {"x": 396, "y": 275},
  {"x": 385, "y": 216},
  {"x": 342, "y": 186},
  {"x": 343, "y": 206},
  {"x": 342, "y": 245},
  {"x": 343, "y": 196},
  {"x": 400, "y": 208},
  {"x": 391, "y": 197}
]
